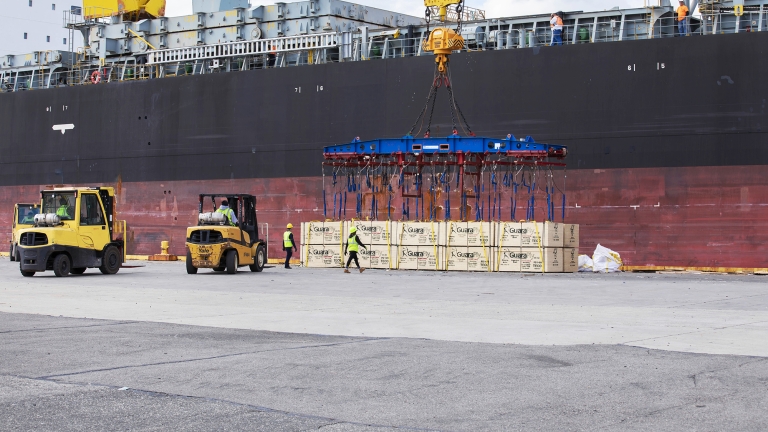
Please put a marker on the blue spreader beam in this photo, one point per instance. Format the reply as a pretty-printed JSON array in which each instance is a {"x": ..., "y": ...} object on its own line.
[{"x": 452, "y": 144}]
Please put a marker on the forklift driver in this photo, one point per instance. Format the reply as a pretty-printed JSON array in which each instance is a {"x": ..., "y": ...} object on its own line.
[
  {"x": 63, "y": 210},
  {"x": 228, "y": 212},
  {"x": 29, "y": 218}
]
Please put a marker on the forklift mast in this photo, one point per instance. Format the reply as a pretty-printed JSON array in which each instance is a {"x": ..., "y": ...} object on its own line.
[{"x": 109, "y": 208}]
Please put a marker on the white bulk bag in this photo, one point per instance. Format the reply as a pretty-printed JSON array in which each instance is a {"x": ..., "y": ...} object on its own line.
[
  {"x": 606, "y": 260},
  {"x": 585, "y": 263}
]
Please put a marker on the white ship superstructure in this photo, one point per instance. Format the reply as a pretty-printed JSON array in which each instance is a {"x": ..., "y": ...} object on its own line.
[{"x": 35, "y": 25}]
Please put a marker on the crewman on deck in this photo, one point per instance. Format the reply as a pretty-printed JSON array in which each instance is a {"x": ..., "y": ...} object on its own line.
[
  {"x": 228, "y": 212},
  {"x": 556, "y": 24},
  {"x": 289, "y": 246},
  {"x": 682, "y": 19},
  {"x": 63, "y": 210},
  {"x": 353, "y": 243},
  {"x": 272, "y": 56}
]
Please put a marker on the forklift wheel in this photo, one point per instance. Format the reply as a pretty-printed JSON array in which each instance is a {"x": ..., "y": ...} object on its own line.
[
  {"x": 260, "y": 260},
  {"x": 61, "y": 265},
  {"x": 232, "y": 261},
  {"x": 111, "y": 261},
  {"x": 191, "y": 269}
]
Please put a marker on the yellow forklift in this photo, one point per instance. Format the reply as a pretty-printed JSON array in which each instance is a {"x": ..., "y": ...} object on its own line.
[
  {"x": 74, "y": 231},
  {"x": 222, "y": 244},
  {"x": 23, "y": 217}
]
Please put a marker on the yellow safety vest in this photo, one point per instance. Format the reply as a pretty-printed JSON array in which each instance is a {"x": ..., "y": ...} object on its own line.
[
  {"x": 63, "y": 211},
  {"x": 287, "y": 243},
  {"x": 353, "y": 247},
  {"x": 228, "y": 213}
]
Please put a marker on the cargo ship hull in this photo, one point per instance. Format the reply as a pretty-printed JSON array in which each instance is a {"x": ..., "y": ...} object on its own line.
[{"x": 667, "y": 153}]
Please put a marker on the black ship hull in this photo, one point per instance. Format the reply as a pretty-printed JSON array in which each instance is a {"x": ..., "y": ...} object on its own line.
[{"x": 661, "y": 133}]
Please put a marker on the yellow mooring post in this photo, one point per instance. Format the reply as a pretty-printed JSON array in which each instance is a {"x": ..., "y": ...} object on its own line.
[{"x": 163, "y": 255}]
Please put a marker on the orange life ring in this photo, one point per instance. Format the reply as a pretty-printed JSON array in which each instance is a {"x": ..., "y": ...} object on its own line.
[{"x": 96, "y": 77}]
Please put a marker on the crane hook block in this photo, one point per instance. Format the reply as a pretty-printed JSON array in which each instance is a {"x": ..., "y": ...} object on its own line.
[{"x": 443, "y": 41}]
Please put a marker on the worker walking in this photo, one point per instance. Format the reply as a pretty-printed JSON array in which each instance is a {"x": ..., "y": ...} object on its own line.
[
  {"x": 228, "y": 212},
  {"x": 288, "y": 245},
  {"x": 353, "y": 244},
  {"x": 556, "y": 24},
  {"x": 682, "y": 19}
]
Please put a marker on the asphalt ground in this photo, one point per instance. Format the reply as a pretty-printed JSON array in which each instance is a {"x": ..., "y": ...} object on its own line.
[
  {"x": 79, "y": 374},
  {"x": 381, "y": 350}
]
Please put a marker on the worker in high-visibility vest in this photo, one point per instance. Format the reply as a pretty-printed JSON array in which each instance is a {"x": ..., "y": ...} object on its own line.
[
  {"x": 288, "y": 245},
  {"x": 353, "y": 244},
  {"x": 228, "y": 212},
  {"x": 556, "y": 24},
  {"x": 29, "y": 218},
  {"x": 63, "y": 210}
]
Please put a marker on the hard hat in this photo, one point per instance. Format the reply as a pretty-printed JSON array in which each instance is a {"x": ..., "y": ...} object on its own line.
[
  {"x": 353, "y": 229},
  {"x": 289, "y": 226}
]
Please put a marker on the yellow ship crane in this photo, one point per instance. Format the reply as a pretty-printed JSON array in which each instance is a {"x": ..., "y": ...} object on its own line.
[
  {"x": 130, "y": 10},
  {"x": 442, "y": 5},
  {"x": 442, "y": 41}
]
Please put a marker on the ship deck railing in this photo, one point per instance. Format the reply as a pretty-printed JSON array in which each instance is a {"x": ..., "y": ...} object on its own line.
[{"x": 379, "y": 44}]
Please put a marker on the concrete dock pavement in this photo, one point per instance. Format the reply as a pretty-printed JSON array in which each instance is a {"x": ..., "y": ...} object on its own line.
[
  {"x": 700, "y": 313},
  {"x": 153, "y": 348}
]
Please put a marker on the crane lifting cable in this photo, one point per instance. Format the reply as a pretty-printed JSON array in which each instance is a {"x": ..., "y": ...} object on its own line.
[
  {"x": 442, "y": 41},
  {"x": 485, "y": 178}
]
